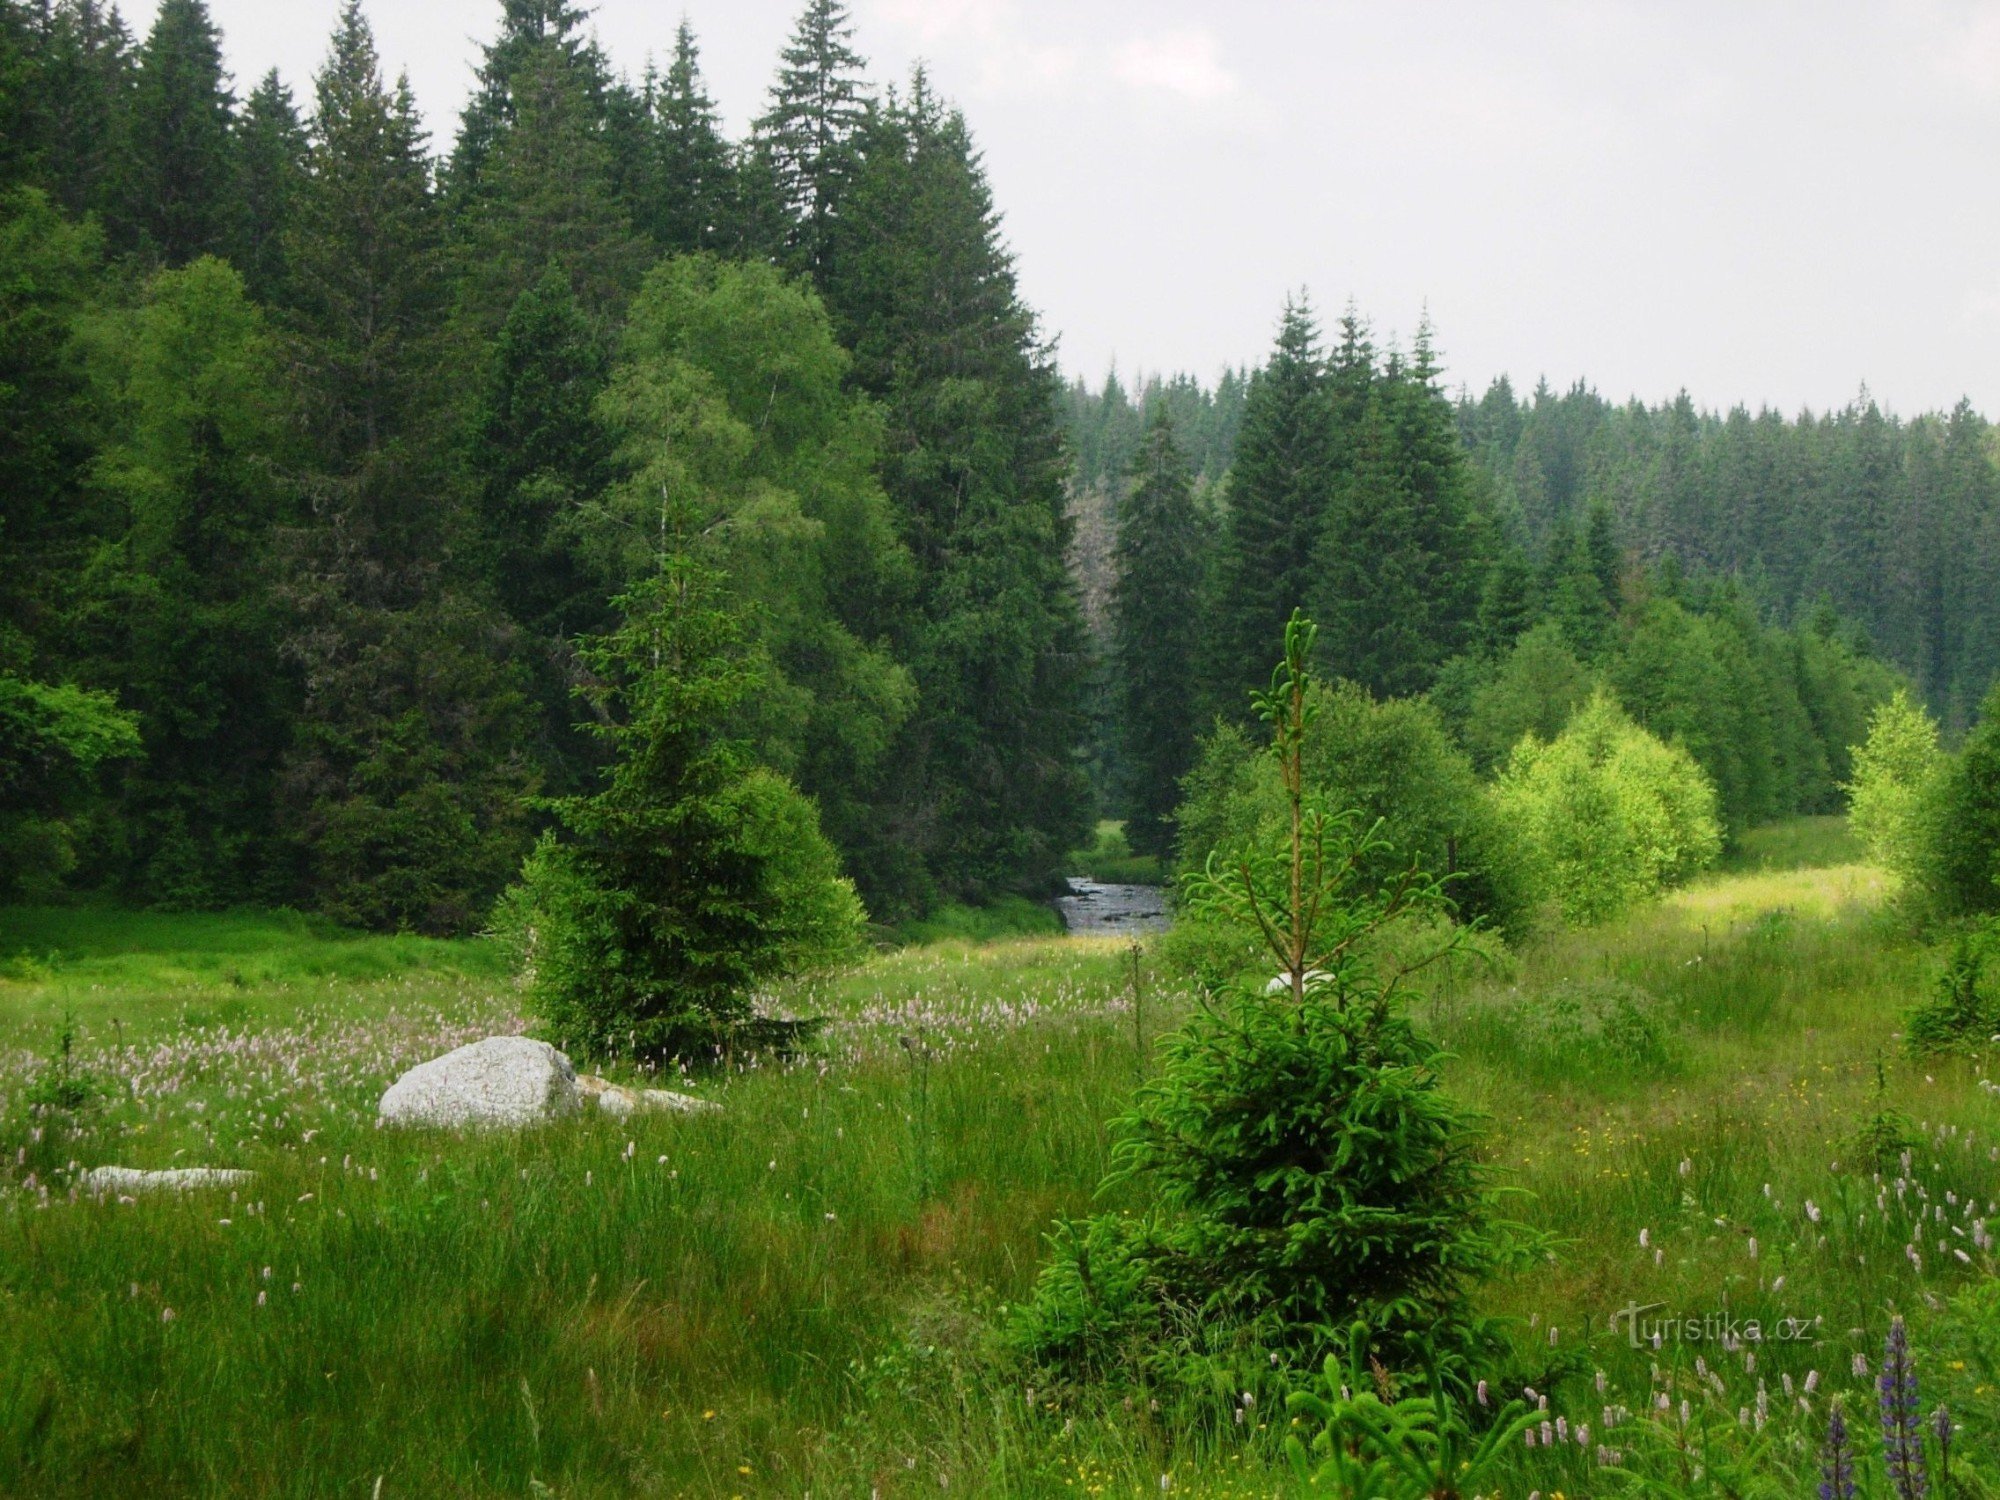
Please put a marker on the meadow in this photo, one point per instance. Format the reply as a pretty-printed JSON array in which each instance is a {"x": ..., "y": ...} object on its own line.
[{"x": 806, "y": 1293}]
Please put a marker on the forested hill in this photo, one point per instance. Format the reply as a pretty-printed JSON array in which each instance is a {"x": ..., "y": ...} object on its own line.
[
  {"x": 1893, "y": 523},
  {"x": 333, "y": 450}
]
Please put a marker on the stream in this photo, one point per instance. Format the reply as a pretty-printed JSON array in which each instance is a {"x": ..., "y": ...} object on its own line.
[{"x": 1093, "y": 909}]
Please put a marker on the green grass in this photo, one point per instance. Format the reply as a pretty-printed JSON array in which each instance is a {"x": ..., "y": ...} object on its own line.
[
  {"x": 1795, "y": 844},
  {"x": 153, "y": 973},
  {"x": 1002, "y": 917},
  {"x": 804, "y": 1294},
  {"x": 1110, "y": 859}
]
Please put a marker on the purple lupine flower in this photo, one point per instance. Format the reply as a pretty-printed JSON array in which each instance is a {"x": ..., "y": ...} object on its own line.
[
  {"x": 1941, "y": 1426},
  {"x": 1836, "y": 1459},
  {"x": 1902, "y": 1425}
]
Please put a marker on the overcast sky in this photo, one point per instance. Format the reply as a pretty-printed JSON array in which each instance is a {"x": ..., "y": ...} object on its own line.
[{"x": 1765, "y": 203}]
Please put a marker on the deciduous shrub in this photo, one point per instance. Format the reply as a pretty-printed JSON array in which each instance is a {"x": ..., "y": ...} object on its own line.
[
  {"x": 1896, "y": 771},
  {"x": 1390, "y": 762},
  {"x": 1611, "y": 816}
]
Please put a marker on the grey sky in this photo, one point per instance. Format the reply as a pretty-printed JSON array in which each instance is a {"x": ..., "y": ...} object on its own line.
[{"x": 1759, "y": 202}]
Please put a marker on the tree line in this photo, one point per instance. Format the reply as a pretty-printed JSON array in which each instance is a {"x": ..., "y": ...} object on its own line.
[
  {"x": 1356, "y": 488},
  {"x": 331, "y": 468},
  {"x": 325, "y": 461}
]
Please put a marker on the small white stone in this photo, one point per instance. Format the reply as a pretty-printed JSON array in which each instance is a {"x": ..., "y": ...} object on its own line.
[
  {"x": 172, "y": 1179},
  {"x": 620, "y": 1102}
]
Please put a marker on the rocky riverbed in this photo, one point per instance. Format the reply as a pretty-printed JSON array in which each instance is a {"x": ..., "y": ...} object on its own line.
[{"x": 1094, "y": 909}]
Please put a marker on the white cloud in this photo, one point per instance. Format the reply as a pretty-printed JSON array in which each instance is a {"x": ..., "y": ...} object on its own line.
[
  {"x": 1183, "y": 62},
  {"x": 1967, "y": 45},
  {"x": 932, "y": 22},
  {"x": 987, "y": 40}
]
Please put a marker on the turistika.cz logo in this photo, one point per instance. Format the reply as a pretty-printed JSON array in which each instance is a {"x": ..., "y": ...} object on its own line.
[{"x": 1715, "y": 1327}]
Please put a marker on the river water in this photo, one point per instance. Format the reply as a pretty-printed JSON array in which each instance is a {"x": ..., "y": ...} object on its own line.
[{"x": 1093, "y": 909}]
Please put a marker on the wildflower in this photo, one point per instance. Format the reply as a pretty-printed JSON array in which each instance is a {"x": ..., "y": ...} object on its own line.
[
  {"x": 1902, "y": 1434},
  {"x": 1481, "y": 1393},
  {"x": 1836, "y": 1459},
  {"x": 166, "y": 1315}
]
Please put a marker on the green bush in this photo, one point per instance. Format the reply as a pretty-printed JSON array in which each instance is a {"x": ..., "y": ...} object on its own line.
[
  {"x": 1535, "y": 689},
  {"x": 1306, "y": 1168},
  {"x": 1390, "y": 762},
  {"x": 1960, "y": 866},
  {"x": 1611, "y": 815},
  {"x": 1962, "y": 1013},
  {"x": 52, "y": 740},
  {"x": 1896, "y": 772}
]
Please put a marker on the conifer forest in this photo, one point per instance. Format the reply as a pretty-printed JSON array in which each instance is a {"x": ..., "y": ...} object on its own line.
[{"x": 646, "y": 849}]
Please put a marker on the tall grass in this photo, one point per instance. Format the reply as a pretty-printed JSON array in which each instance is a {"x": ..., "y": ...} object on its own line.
[{"x": 804, "y": 1294}]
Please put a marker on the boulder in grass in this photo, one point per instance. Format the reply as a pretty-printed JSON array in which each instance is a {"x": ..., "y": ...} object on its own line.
[
  {"x": 132, "y": 1181},
  {"x": 620, "y": 1102},
  {"x": 504, "y": 1082}
]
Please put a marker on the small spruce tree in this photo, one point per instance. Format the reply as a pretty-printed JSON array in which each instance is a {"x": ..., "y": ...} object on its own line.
[
  {"x": 1308, "y": 1169},
  {"x": 690, "y": 875}
]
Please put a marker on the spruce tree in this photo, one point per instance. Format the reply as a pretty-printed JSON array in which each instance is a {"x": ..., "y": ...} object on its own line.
[
  {"x": 534, "y": 178},
  {"x": 405, "y": 784},
  {"x": 1279, "y": 487},
  {"x": 82, "y": 110},
  {"x": 1351, "y": 376},
  {"x": 809, "y": 138},
  {"x": 1397, "y": 577},
  {"x": 986, "y": 789},
  {"x": 690, "y": 875},
  {"x": 540, "y": 454},
  {"x": 270, "y": 158},
  {"x": 695, "y": 188},
  {"x": 1509, "y": 603},
  {"x": 182, "y": 191},
  {"x": 1156, "y": 635},
  {"x": 528, "y": 28},
  {"x": 1573, "y": 595},
  {"x": 1607, "y": 561}
]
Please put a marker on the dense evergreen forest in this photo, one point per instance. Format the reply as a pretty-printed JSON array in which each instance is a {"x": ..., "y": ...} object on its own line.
[
  {"x": 325, "y": 454},
  {"x": 332, "y": 459}
]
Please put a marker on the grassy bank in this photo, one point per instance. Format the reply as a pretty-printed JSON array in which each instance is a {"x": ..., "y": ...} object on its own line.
[{"x": 802, "y": 1294}]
